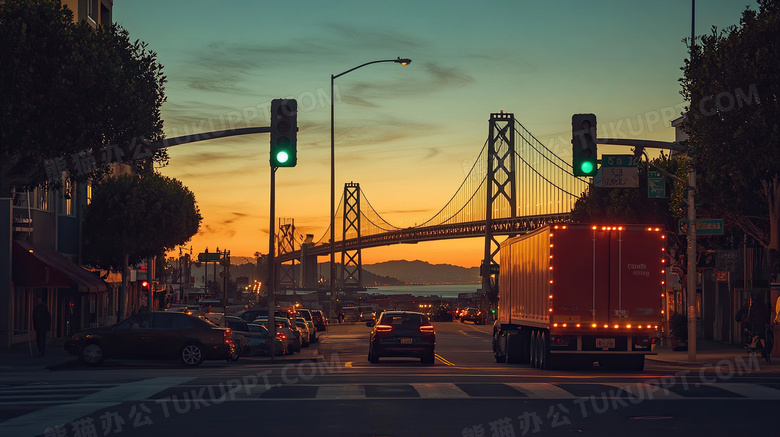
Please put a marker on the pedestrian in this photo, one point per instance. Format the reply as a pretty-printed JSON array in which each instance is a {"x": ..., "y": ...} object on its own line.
[{"x": 41, "y": 324}]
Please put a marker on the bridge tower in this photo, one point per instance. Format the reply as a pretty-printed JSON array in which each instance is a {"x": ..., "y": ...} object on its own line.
[
  {"x": 351, "y": 260},
  {"x": 286, "y": 244},
  {"x": 501, "y": 187}
]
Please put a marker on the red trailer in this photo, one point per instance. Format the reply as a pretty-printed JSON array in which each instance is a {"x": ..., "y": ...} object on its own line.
[{"x": 575, "y": 294}]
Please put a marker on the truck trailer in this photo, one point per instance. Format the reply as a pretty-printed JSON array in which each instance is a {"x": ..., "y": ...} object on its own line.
[{"x": 572, "y": 295}]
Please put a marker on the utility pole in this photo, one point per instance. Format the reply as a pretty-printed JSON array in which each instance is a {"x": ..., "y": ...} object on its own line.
[{"x": 692, "y": 279}]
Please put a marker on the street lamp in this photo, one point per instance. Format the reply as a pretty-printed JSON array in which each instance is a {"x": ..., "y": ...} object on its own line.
[{"x": 399, "y": 60}]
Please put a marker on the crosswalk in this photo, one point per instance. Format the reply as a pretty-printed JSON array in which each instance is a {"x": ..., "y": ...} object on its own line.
[
  {"x": 63, "y": 403},
  {"x": 42, "y": 394},
  {"x": 559, "y": 391},
  {"x": 55, "y": 394}
]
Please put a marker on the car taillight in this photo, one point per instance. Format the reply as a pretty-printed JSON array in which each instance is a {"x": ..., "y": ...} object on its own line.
[
  {"x": 426, "y": 328},
  {"x": 383, "y": 328},
  {"x": 281, "y": 336},
  {"x": 228, "y": 338}
]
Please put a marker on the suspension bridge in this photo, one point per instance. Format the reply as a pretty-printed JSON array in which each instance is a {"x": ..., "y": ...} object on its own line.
[{"x": 515, "y": 186}]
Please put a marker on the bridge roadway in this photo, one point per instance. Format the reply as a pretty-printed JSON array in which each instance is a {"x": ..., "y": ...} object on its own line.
[{"x": 500, "y": 226}]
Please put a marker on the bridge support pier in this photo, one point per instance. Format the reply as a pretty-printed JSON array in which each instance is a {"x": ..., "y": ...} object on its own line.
[
  {"x": 501, "y": 193},
  {"x": 351, "y": 276}
]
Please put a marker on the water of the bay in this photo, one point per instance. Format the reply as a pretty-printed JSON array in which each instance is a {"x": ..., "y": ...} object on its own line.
[{"x": 441, "y": 290}]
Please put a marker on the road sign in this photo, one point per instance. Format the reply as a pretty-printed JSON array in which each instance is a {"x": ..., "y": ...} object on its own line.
[
  {"x": 703, "y": 227},
  {"x": 209, "y": 257},
  {"x": 619, "y": 171},
  {"x": 656, "y": 185}
]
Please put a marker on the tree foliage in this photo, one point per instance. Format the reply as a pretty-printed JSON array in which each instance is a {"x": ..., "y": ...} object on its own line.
[
  {"x": 732, "y": 81},
  {"x": 66, "y": 88},
  {"x": 138, "y": 216}
]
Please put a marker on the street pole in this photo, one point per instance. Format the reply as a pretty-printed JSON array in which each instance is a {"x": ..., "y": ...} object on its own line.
[
  {"x": 271, "y": 277},
  {"x": 692, "y": 279},
  {"x": 332, "y": 312},
  {"x": 332, "y": 281}
]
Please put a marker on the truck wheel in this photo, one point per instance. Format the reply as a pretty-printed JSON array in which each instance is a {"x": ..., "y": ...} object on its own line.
[
  {"x": 532, "y": 350},
  {"x": 500, "y": 346},
  {"x": 544, "y": 350}
]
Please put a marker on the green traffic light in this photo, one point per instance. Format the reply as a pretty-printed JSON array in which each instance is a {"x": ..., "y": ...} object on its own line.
[
  {"x": 282, "y": 157},
  {"x": 586, "y": 167}
]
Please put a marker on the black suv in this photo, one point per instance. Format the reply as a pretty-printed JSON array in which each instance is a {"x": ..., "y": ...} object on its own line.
[{"x": 402, "y": 334}]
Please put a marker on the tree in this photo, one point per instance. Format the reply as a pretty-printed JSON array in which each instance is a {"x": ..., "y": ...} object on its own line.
[
  {"x": 132, "y": 217},
  {"x": 69, "y": 92},
  {"x": 732, "y": 81}
]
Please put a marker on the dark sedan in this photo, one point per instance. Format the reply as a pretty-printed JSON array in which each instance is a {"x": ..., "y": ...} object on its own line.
[
  {"x": 156, "y": 335},
  {"x": 402, "y": 334}
]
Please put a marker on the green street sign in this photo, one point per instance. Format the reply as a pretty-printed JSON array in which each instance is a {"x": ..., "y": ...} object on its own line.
[
  {"x": 703, "y": 227},
  {"x": 656, "y": 185},
  {"x": 209, "y": 257},
  {"x": 619, "y": 161}
]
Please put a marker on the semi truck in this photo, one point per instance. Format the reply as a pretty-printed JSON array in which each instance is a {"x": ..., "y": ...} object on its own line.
[{"x": 574, "y": 295}]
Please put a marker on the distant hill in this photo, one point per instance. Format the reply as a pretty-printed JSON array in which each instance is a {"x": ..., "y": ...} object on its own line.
[{"x": 421, "y": 272}]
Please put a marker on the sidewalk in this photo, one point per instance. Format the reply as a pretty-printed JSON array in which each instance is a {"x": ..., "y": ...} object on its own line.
[
  {"x": 24, "y": 356},
  {"x": 712, "y": 353}
]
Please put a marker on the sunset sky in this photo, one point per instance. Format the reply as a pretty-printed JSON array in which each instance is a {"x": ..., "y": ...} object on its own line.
[{"x": 407, "y": 134}]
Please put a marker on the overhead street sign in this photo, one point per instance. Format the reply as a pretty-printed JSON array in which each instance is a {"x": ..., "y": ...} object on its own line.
[
  {"x": 656, "y": 185},
  {"x": 619, "y": 171},
  {"x": 703, "y": 227},
  {"x": 209, "y": 257}
]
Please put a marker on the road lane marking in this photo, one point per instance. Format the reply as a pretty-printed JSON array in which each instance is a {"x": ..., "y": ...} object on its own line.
[
  {"x": 445, "y": 361},
  {"x": 541, "y": 390},
  {"x": 439, "y": 391}
]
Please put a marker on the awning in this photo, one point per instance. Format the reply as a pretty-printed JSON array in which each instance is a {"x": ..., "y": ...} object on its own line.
[{"x": 39, "y": 267}]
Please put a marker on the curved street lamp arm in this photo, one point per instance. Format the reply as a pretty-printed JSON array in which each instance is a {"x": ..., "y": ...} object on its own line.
[{"x": 397, "y": 60}]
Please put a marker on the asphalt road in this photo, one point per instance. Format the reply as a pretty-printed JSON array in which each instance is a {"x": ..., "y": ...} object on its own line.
[{"x": 331, "y": 389}]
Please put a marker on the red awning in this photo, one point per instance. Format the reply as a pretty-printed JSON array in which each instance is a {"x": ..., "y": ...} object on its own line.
[{"x": 38, "y": 267}]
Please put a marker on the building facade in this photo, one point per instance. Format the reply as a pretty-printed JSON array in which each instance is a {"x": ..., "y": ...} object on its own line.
[{"x": 41, "y": 247}]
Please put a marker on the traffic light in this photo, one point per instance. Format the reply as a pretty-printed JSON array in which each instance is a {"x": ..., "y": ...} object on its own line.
[
  {"x": 284, "y": 126},
  {"x": 583, "y": 142}
]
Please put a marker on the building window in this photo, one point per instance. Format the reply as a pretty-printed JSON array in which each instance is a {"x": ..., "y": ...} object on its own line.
[
  {"x": 42, "y": 198},
  {"x": 67, "y": 196},
  {"x": 92, "y": 11},
  {"x": 89, "y": 192}
]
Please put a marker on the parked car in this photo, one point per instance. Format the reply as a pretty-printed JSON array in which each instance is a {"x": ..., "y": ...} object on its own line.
[
  {"x": 306, "y": 314},
  {"x": 240, "y": 334},
  {"x": 472, "y": 315},
  {"x": 155, "y": 335},
  {"x": 252, "y": 341},
  {"x": 300, "y": 323},
  {"x": 402, "y": 334},
  {"x": 291, "y": 338},
  {"x": 259, "y": 341},
  {"x": 249, "y": 315},
  {"x": 319, "y": 319}
]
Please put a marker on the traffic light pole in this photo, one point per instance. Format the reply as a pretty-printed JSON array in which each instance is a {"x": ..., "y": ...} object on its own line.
[
  {"x": 271, "y": 288},
  {"x": 691, "y": 236}
]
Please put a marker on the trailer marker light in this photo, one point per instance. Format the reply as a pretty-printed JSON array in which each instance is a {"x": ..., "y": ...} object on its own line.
[
  {"x": 628, "y": 326},
  {"x": 593, "y": 325}
]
